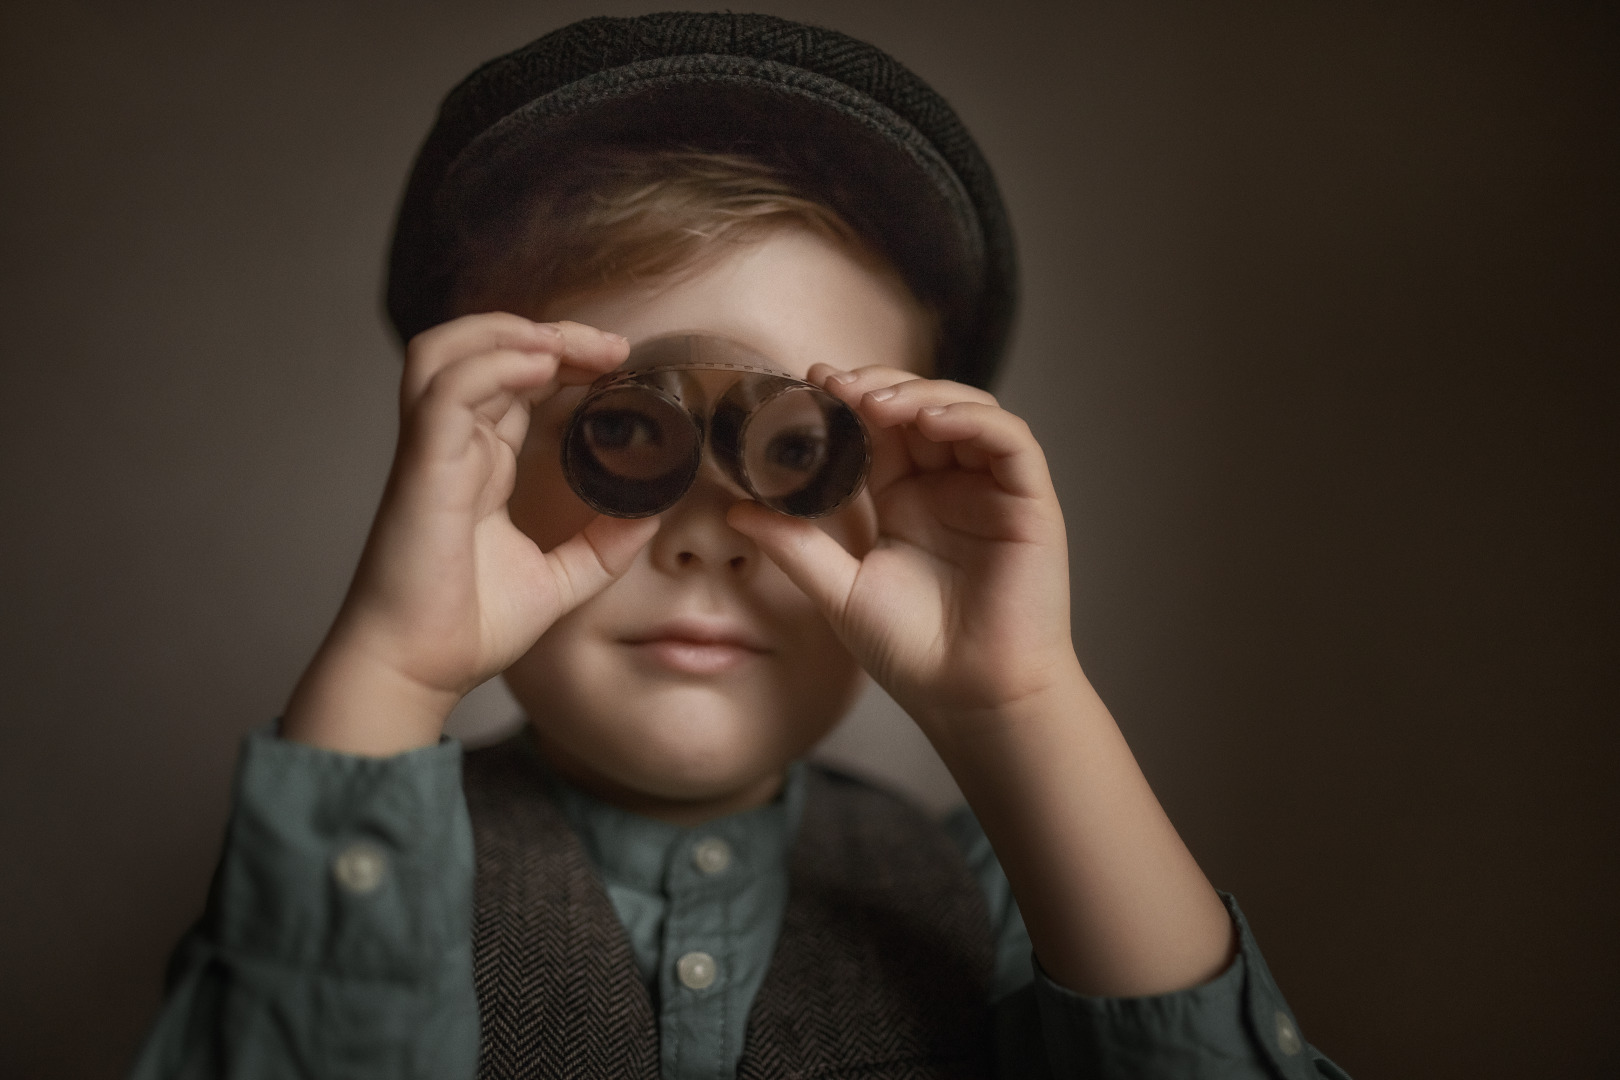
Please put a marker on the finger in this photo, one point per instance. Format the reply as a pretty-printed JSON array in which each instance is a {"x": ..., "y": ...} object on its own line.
[
  {"x": 513, "y": 426},
  {"x": 812, "y": 559},
  {"x": 970, "y": 503},
  {"x": 851, "y": 386},
  {"x": 590, "y": 352},
  {"x": 586, "y": 350},
  {"x": 898, "y": 403},
  {"x": 1010, "y": 452},
  {"x": 898, "y": 450},
  {"x": 480, "y": 389},
  {"x": 891, "y": 406},
  {"x": 535, "y": 406},
  {"x": 892, "y": 452},
  {"x": 894, "y": 455},
  {"x": 926, "y": 454},
  {"x": 968, "y": 456},
  {"x": 436, "y": 348},
  {"x": 590, "y": 560},
  {"x": 879, "y": 373},
  {"x": 848, "y": 386}
]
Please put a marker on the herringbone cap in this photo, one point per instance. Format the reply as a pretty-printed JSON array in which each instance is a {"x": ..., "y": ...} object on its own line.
[{"x": 851, "y": 125}]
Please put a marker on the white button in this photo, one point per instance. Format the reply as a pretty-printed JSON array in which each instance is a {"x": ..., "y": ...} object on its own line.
[
  {"x": 711, "y": 855},
  {"x": 696, "y": 970},
  {"x": 1287, "y": 1038},
  {"x": 360, "y": 867}
]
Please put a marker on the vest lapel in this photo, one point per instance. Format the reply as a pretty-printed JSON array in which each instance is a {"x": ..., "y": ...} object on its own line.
[
  {"x": 883, "y": 967},
  {"x": 558, "y": 990}
]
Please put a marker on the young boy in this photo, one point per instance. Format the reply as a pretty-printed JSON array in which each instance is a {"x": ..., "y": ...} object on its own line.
[{"x": 651, "y": 883}]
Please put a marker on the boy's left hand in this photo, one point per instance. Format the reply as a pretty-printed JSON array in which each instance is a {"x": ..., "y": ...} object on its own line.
[
  {"x": 962, "y": 604},
  {"x": 960, "y": 609}
]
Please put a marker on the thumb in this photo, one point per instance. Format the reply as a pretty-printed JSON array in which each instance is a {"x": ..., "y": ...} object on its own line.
[
  {"x": 590, "y": 560},
  {"x": 812, "y": 560}
]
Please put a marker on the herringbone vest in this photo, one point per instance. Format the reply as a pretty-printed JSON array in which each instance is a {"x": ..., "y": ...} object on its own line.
[{"x": 882, "y": 968}]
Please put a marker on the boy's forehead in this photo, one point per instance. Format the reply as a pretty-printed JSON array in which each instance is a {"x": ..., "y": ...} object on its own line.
[{"x": 791, "y": 298}]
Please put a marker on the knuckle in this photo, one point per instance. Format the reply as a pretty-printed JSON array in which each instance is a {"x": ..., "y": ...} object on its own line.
[
  {"x": 436, "y": 385},
  {"x": 974, "y": 394},
  {"x": 885, "y": 373},
  {"x": 441, "y": 389},
  {"x": 487, "y": 319}
]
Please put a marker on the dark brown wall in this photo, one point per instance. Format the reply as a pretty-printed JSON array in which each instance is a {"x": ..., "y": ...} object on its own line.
[{"x": 1320, "y": 334}]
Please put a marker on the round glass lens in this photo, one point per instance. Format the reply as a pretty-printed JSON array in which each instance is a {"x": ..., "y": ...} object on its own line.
[
  {"x": 630, "y": 451},
  {"x": 803, "y": 452}
]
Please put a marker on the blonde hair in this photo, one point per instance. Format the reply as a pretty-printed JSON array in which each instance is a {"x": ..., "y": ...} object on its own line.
[{"x": 617, "y": 217}]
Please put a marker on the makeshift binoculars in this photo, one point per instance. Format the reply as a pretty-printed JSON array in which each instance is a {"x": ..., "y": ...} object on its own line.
[{"x": 635, "y": 443}]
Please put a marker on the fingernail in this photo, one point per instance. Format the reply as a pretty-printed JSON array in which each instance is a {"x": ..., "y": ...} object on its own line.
[
  {"x": 842, "y": 378},
  {"x": 933, "y": 410},
  {"x": 620, "y": 338},
  {"x": 882, "y": 395}
]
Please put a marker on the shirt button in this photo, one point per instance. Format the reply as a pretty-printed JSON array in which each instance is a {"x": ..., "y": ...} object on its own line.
[
  {"x": 360, "y": 867},
  {"x": 1287, "y": 1037},
  {"x": 696, "y": 970},
  {"x": 711, "y": 855}
]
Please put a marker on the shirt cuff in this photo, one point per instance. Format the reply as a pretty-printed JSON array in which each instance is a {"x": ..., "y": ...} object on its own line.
[
  {"x": 355, "y": 865},
  {"x": 1235, "y": 1025}
]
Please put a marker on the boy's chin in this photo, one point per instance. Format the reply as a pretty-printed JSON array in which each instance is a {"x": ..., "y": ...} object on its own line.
[{"x": 707, "y": 757}]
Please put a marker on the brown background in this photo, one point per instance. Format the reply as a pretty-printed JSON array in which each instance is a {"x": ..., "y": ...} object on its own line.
[{"x": 1320, "y": 334}]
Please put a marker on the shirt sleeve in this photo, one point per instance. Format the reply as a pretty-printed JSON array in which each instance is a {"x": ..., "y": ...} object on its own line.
[
  {"x": 337, "y": 937},
  {"x": 1237, "y": 1026}
]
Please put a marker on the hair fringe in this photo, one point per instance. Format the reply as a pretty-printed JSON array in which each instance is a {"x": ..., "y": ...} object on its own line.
[{"x": 628, "y": 217}]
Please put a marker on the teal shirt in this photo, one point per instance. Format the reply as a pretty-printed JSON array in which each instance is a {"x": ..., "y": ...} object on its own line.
[{"x": 337, "y": 941}]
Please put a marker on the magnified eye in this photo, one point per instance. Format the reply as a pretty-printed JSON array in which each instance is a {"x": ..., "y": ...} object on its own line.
[
  {"x": 622, "y": 429},
  {"x": 631, "y": 450},
  {"x": 796, "y": 449},
  {"x": 801, "y": 450}
]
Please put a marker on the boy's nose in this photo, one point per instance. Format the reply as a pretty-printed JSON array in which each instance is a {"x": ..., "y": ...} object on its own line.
[{"x": 693, "y": 534}]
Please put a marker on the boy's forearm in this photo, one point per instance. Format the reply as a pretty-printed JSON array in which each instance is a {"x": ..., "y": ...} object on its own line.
[{"x": 1115, "y": 904}]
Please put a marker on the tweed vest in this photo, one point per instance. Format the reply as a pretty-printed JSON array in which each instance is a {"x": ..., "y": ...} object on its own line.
[{"x": 882, "y": 968}]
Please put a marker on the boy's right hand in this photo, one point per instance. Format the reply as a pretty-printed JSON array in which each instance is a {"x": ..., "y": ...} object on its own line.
[{"x": 449, "y": 592}]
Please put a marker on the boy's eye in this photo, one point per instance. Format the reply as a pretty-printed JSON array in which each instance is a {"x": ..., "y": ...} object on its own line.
[
  {"x": 801, "y": 451},
  {"x": 622, "y": 429}
]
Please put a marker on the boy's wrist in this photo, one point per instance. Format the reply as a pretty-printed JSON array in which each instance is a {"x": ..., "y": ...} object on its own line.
[
  {"x": 1055, "y": 693},
  {"x": 354, "y": 703}
]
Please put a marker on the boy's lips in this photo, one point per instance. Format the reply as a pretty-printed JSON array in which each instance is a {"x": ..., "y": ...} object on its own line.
[{"x": 697, "y": 646}]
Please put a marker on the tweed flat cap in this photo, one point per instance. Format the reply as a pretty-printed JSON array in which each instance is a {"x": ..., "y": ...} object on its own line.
[{"x": 848, "y": 124}]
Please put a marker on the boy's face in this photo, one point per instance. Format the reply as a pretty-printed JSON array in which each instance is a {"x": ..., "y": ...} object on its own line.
[{"x": 685, "y": 687}]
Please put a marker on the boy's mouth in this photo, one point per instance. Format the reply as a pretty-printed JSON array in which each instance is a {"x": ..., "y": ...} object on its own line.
[{"x": 691, "y": 646}]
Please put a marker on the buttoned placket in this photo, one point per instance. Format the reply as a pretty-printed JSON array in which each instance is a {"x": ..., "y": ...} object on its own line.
[
  {"x": 703, "y": 908},
  {"x": 700, "y": 963}
]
